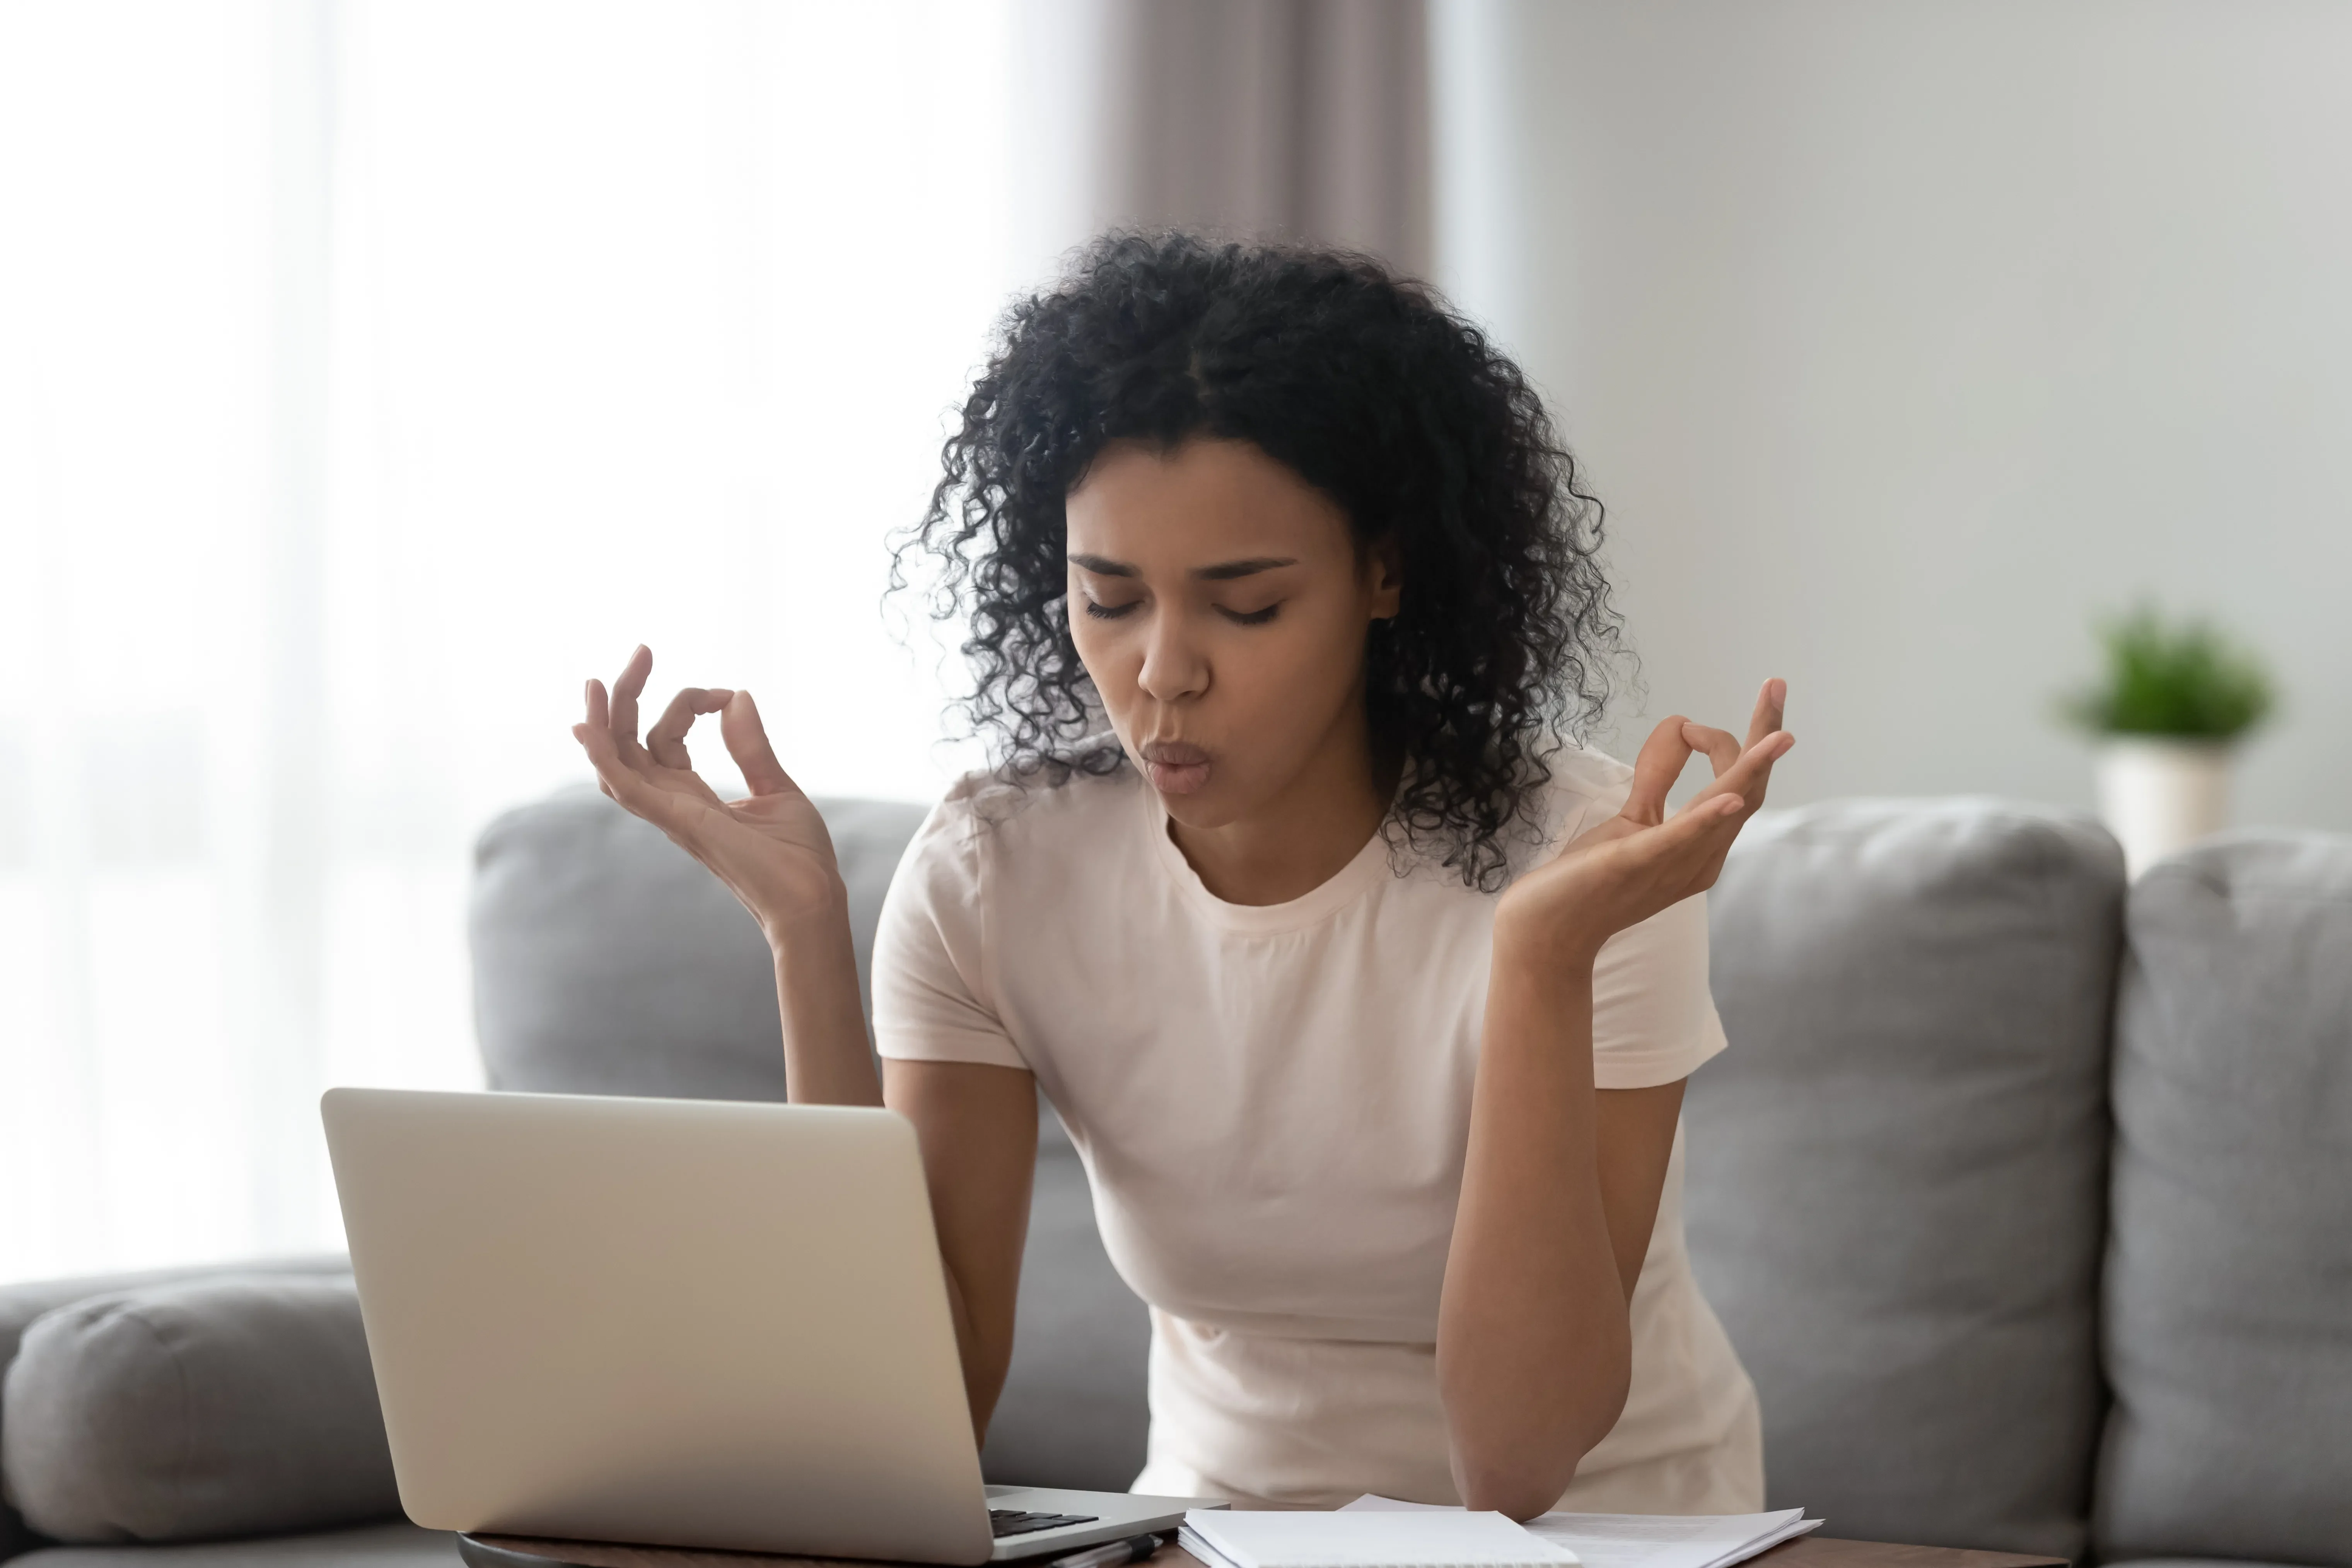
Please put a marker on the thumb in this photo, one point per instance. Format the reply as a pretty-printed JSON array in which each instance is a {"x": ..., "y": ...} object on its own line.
[
  {"x": 1656, "y": 768},
  {"x": 746, "y": 742}
]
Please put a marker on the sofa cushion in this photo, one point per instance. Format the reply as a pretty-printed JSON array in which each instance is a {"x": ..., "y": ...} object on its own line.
[
  {"x": 608, "y": 961},
  {"x": 194, "y": 1410},
  {"x": 1895, "y": 1193},
  {"x": 2229, "y": 1285},
  {"x": 22, "y": 1305},
  {"x": 401, "y": 1545}
]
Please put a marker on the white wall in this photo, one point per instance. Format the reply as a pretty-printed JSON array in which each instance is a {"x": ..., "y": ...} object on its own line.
[{"x": 1903, "y": 337}]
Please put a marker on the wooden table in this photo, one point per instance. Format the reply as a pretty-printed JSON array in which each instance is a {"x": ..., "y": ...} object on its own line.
[{"x": 1805, "y": 1551}]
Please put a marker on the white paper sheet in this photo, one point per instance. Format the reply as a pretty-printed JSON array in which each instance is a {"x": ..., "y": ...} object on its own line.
[
  {"x": 1644, "y": 1540},
  {"x": 1449, "y": 1539}
]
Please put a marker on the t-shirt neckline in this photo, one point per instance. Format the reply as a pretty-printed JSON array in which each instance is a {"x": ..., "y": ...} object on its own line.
[{"x": 1349, "y": 882}]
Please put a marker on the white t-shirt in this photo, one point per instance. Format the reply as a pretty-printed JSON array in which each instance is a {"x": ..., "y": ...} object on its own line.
[{"x": 1273, "y": 1104}]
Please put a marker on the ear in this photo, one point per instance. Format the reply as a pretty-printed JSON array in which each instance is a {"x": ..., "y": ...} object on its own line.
[{"x": 1384, "y": 574}]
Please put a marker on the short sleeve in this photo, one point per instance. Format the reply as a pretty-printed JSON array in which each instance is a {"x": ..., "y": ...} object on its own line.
[
  {"x": 931, "y": 994},
  {"x": 1653, "y": 1018}
]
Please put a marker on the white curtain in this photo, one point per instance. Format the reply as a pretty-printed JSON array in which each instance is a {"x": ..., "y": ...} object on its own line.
[{"x": 370, "y": 374}]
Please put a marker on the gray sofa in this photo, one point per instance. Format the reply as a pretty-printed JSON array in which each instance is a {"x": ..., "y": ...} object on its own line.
[{"x": 2027, "y": 1200}]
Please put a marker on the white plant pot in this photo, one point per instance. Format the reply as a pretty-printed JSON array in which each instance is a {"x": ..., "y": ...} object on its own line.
[{"x": 2160, "y": 795}]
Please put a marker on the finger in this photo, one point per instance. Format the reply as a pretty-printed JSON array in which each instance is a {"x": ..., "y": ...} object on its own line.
[
  {"x": 1694, "y": 843},
  {"x": 746, "y": 742},
  {"x": 1678, "y": 853},
  {"x": 1721, "y": 750},
  {"x": 1691, "y": 826},
  {"x": 1656, "y": 768},
  {"x": 1748, "y": 777},
  {"x": 1718, "y": 850},
  {"x": 667, "y": 739},
  {"x": 1735, "y": 817},
  {"x": 626, "y": 753},
  {"x": 625, "y": 692},
  {"x": 1772, "y": 709},
  {"x": 617, "y": 779}
]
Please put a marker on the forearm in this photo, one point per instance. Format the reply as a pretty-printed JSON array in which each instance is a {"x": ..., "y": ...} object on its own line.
[
  {"x": 1534, "y": 1349},
  {"x": 827, "y": 1058},
  {"x": 978, "y": 1128},
  {"x": 985, "y": 1352}
]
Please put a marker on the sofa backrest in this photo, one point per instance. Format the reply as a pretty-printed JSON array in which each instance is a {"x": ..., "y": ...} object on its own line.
[
  {"x": 608, "y": 961},
  {"x": 2229, "y": 1282},
  {"x": 1896, "y": 1172}
]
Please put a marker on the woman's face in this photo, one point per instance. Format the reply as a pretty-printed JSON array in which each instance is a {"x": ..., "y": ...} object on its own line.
[{"x": 1220, "y": 607}]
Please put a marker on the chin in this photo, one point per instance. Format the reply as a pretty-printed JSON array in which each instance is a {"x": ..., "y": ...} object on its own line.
[
  {"x": 1218, "y": 803},
  {"x": 1203, "y": 809}
]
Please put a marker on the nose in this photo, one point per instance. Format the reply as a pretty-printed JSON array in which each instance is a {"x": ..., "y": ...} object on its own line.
[{"x": 1173, "y": 668}]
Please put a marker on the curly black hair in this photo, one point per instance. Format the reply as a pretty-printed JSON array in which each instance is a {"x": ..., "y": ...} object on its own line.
[{"x": 1370, "y": 388}]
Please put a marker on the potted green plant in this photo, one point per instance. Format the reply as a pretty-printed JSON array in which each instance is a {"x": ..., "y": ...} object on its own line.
[{"x": 2174, "y": 701}]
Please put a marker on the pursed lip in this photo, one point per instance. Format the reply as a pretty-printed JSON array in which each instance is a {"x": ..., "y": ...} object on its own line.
[{"x": 1175, "y": 767}]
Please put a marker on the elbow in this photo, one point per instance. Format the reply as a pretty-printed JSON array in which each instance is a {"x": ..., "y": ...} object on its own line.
[
  {"x": 1528, "y": 1482},
  {"x": 1521, "y": 1466},
  {"x": 1521, "y": 1497}
]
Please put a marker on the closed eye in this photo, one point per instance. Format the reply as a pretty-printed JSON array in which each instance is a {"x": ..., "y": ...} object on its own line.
[
  {"x": 1110, "y": 612},
  {"x": 1250, "y": 617}
]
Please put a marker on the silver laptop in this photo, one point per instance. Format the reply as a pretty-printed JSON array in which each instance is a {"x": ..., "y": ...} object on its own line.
[{"x": 679, "y": 1323}]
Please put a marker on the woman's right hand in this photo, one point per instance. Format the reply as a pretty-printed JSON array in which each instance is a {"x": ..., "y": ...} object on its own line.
[{"x": 772, "y": 849}]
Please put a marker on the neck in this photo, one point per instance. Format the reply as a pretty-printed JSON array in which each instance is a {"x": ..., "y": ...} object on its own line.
[{"x": 1301, "y": 838}]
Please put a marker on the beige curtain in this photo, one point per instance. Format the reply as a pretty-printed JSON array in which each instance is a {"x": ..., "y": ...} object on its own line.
[{"x": 1301, "y": 119}]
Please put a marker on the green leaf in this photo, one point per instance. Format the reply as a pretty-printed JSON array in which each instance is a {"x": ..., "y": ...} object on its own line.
[{"x": 2176, "y": 679}]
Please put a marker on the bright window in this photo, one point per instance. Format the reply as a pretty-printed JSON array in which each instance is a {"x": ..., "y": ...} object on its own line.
[{"x": 370, "y": 374}]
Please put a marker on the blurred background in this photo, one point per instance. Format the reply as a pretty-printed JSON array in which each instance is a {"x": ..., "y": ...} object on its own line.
[{"x": 372, "y": 373}]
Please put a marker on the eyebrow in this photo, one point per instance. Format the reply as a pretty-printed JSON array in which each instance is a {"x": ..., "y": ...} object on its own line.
[{"x": 1223, "y": 572}]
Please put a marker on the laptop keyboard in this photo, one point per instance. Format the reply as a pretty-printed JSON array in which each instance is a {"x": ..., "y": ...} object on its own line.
[{"x": 1005, "y": 1521}]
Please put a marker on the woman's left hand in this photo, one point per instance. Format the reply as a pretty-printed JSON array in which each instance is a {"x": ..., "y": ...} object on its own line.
[{"x": 1643, "y": 860}]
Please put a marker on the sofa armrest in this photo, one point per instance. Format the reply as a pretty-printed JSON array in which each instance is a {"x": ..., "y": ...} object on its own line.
[{"x": 21, "y": 1304}]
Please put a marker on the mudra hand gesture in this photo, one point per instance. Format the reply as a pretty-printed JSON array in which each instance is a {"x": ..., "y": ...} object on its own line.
[
  {"x": 770, "y": 849},
  {"x": 1642, "y": 860}
]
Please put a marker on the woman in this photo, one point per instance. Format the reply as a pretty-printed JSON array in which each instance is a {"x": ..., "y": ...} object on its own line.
[{"x": 1377, "y": 1083}]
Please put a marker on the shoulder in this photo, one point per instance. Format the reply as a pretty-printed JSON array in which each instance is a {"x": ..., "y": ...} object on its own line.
[
  {"x": 1587, "y": 787},
  {"x": 1000, "y": 857},
  {"x": 987, "y": 820},
  {"x": 1581, "y": 787},
  {"x": 1586, "y": 780}
]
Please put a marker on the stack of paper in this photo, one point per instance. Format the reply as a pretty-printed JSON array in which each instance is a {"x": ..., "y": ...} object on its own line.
[
  {"x": 1639, "y": 1540},
  {"x": 1447, "y": 1538}
]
